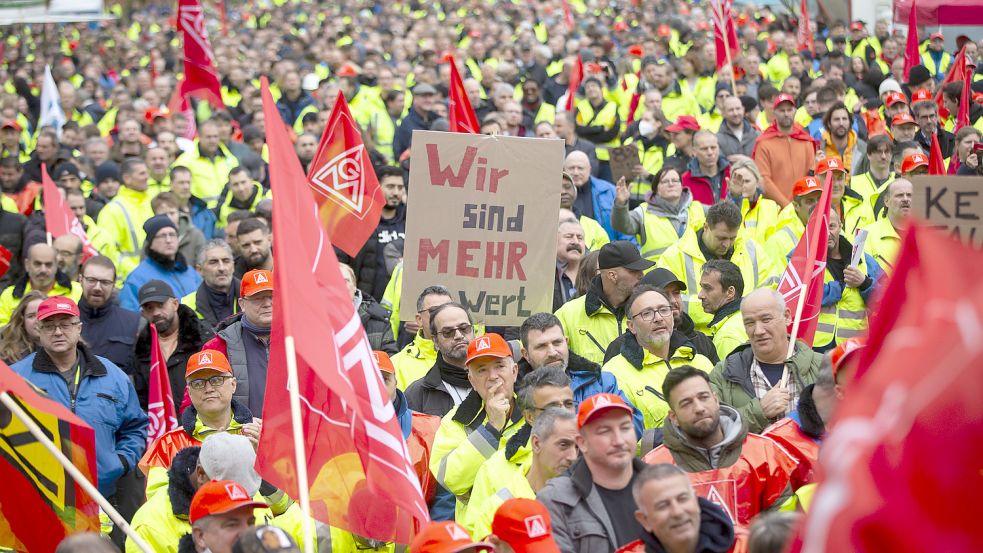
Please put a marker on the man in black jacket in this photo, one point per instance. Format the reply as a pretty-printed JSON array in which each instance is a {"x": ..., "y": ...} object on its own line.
[
  {"x": 108, "y": 329},
  {"x": 374, "y": 317},
  {"x": 446, "y": 384},
  {"x": 216, "y": 298},
  {"x": 11, "y": 237}
]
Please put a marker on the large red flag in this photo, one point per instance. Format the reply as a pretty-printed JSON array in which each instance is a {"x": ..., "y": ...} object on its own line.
[
  {"x": 160, "y": 399},
  {"x": 346, "y": 188},
  {"x": 58, "y": 217},
  {"x": 912, "y": 56},
  {"x": 361, "y": 476},
  {"x": 40, "y": 503},
  {"x": 576, "y": 76},
  {"x": 901, "y": 464},
  {"x": 936, "y": 163},
  {"x": 724, "y": 32},
  {"x": 957, "y": 73},
  {"x": 804, "y": 33},
  {"x": 459, "y": 110},
  {"x": 200, "y": 77},
  {"x": 962, "y": 117},
  {"x": 808, "y": 266}
]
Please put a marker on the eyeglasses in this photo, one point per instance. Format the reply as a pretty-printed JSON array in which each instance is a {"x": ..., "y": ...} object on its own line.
[
  {"x": 649, "y": 314},
  {"x": 64, "y": 327},
  {"x": 215, "y": 381},
  {"x": 97, "y": 281},
  {"x": 448, "y": 333},
  {"x": 567, "y": 404},
  {"x": 166, "y": 236}
]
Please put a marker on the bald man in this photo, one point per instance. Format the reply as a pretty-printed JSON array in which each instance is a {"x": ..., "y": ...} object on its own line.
[
  {"x": 41, "y": 265},
  {"x": 595, "y": 197}
]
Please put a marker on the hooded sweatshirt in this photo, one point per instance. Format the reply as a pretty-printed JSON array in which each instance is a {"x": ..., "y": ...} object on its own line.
[{"x": 784, "y": 159}]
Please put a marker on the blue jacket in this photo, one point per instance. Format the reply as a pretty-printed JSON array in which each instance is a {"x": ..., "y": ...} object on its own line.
[
  {"x": 602, "y": 196},
  {"x": 183, "y": 280},
  {"x": 106, "y": 401},
  {"x": 202, "y": 217}
]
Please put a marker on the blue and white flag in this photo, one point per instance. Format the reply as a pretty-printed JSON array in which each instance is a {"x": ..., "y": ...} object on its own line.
[{"x": 51, "y": 113}]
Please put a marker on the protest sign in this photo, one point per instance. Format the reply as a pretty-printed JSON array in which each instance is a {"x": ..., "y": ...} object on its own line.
[
  {"x": 482, "y": 219},
  {"x": 623, "y": 162},
  {"x": 953, "y": 204}
]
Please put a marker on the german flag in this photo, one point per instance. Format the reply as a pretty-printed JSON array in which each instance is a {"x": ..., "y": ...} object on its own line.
[{"x": 40, "y": 504}]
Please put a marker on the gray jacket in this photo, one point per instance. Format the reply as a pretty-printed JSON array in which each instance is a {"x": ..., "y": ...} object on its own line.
[
  {"x": 729, "y": 143},
  {"x": 237, "y": 352},
  {"x": 580, "y": 522}
]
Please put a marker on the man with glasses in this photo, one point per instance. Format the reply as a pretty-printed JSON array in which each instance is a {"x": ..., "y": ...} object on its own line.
[
  {"x": 484, "y": 422},
  {"x": 417, "y": 358},
  {"x": 446, "y": 384},
  {"x": 162, "y": 261},
  {"x": 108, "y": 329},
  {"x": 93, "y": 387},
  {"x": 649, "y": 350}
]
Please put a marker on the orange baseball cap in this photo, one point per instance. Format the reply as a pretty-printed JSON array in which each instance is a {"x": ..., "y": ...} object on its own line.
[
  {"x": 895, "y": 97},
  {"x": 784, "y": 98},
  {"x": 597, "y": 404},
  {"x": 525, "y": 525},
  {"x": 912, "y": 162},
  {"x": 806, "y": 185},
  {"x": 219, "y": 497},
  {"x": 921, "y": 95},
  {"x": 445, "y": 537},
  {"x": 488, "y": 345},
  {"x": 830, "y": 163},
  {"x": 844, "y": 352},
  {"x": 903, "y": 118},
  {"x": 207, "y": 360},
  {"x": 256, "y": 281},
  {"x": 11, "y": 123},
  {"x": 383, "y": 361}
]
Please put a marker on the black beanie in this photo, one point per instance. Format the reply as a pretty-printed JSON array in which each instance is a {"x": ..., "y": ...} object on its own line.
[{"x": 155, "y": 224}]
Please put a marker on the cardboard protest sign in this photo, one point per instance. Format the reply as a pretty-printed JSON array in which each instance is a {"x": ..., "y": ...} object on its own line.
[
  {"x": 623, "y": 162},
  {"x": 953, "y": 204},
  {"x": 482, "y": 218}
]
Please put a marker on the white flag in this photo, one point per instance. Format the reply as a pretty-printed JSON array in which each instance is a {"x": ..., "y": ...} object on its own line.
[{"x": 51, "y": 112}]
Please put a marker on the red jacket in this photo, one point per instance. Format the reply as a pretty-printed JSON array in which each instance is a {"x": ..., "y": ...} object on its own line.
[
  {"x": 800, "y": 446},
  {"x": 699, "y": 184}
]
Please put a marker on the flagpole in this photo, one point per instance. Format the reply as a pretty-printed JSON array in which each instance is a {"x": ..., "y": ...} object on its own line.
[
  {"x": 73, "y": 471},
  {"x": 303, "y": 490}
]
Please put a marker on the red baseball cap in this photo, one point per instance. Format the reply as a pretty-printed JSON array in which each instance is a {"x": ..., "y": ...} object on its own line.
[
  {"x": 11, "y": 123},
  {"x": 830, "y": 163},
  {"x": 783, "y": 98},
  {"x": 684, "y": 123},
  {"x": 895, "y": 97},
  {"x": 903, "y": 118},
  {"x": 57, "y": 305},
  {"x": 525, "y": 525},
  {"x": 806, "y": 185},
  {"x": 445, "y": 537},
  {"x": 207, "y": 360},
  {"x": 597, "y": 404},
  {"x": 383, "y": 361},
  {"x": 857, "y": 26},
  {"x": 219, "y": 497},
  {"x": 921, "y": 95},
  {"x": 910, "y": 163},
  {"x": 934, "y": 36},
  {"x": 256, "y": 281},
  {"x": 663, "y": 31},
  {"x": 347, "y": 70},
  {"x": 488, "y": 345},
  {"x": 845, "y": 351}
]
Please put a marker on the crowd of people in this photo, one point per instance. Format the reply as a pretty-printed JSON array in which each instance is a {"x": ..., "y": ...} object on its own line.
[{"x": 656, "y": 409}]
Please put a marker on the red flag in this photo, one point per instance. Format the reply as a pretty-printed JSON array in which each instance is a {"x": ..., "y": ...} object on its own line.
[
  {"x": 962, "y": 118},
  {"x": 804, "y": 33},
  {"x": 200, "y": 77},
  {"x": 936, "y": 164},
  {"x": 724, "y": 32},
  {"x": 908, "y": 431},
  {"x": 40, "y": 504},
  {"x": 180, "y": 104},
  {"x": 361, "y": 476},
  {"x": 808, "y": 266},
  {"x": 160, "y": 400},
  {"x": 576, "y": 76},
  {"x": 957, "y": 72},
  {"x": 5, "y": 257},
  {"x": 347, "y": 190},
  {"x": 459, "y": 110},
  {"x": 568, "y": 16},
  {"x": 912, "y": 56},
  {"x": 59, "y": 219}
]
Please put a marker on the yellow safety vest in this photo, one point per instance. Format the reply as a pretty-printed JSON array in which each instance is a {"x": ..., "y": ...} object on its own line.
[{"x": 846, "y": 318}]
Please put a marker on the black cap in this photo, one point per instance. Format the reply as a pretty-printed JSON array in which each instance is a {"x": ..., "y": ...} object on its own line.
[
  {"x": 155, "y": 291},
  {"x": 621, "y": 253},
  {"x": 661, "y": 277},
  {"x": 65, "y": 169},
  {"x": 265, "y": 539}
]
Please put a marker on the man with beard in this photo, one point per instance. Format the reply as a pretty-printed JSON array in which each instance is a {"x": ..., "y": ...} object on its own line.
[
  {"x": 108, "y": 329},
  {"x": 744, "y": 473},
  {"x": 544, "y": 345},
  {"x": 215, "y": 299},
  {"x": 392, "y": 222},
  {"x": 736, "y": 136},
  {"x": 591, "y": 504},
  {"x": 446, "y": 383},
  {"x": 244, "y": 339},
  {"x": 40, "y": 263},
  {"x": 784, "y": 152},
  {"x": 592, "y": 321},
  {"x": 255, "y": 247},
  {"x": 648, "y": 351},
  {"x": 179, "y": 331},
  {"x": 163, "y": 261},
  {"x": 570, "y": 248},
  {"x": 840, "y": 140},
  {"x": 884, "y": 239}
]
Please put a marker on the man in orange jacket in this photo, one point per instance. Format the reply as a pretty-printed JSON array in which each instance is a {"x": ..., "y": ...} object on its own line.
[{"x": 784, "y": 152}]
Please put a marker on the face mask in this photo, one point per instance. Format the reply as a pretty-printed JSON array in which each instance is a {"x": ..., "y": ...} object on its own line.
[{"x": 646, "y": 128}]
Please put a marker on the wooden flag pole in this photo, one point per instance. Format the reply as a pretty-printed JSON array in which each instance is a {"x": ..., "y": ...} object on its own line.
[
  {"x": 303, "y": 490},
  {"x": 73, "y": 471}
]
